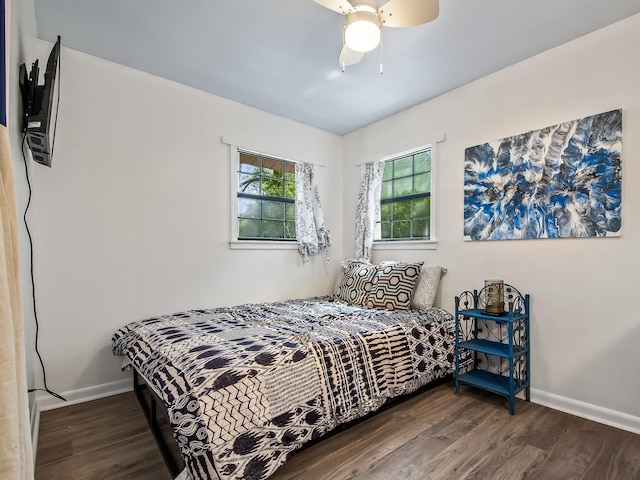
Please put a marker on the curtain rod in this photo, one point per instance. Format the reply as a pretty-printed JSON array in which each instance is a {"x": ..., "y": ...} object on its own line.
[
  {"x": 270, "y": 151},
  {"x": 383, "y": 157}
]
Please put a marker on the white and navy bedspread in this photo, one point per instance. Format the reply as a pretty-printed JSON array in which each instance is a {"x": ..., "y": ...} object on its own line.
[{"x": 247, "y": 386}]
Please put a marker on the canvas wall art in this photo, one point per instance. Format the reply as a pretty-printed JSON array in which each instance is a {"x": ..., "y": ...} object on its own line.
[{"x": 563, "y": 181}]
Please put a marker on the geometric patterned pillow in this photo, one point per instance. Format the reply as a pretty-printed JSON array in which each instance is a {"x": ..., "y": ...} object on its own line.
[
  {"x": 356, "y": 282},
  {"x": 393, "y": 286},
  {"x": 340, "y": 277},
  {"x": 427, "y": 287}
]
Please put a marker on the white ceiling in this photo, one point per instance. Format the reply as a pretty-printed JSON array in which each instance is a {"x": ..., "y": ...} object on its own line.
[{"x": 281, "y": 56}]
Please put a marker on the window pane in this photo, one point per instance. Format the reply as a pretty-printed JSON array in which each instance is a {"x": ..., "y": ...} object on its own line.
[
  {"x": 290, "y": 211},
  {"x": 267, "y": 172},
  {"x": 403, "y": 186},
  {"x": 273, "y": 229},
  {"x": 403, "y": 167},
  {"x": 420, "y": 228},
  {"x": 385, "y": 230},
  {"x": 422, "y": 183},
  {"x": 387, "y": 190},
  {"x": 290, "y": 230},
  {"x": 401, "y": 229},
  {"x": 249, "y": 228},
  {"x": 420, "y": 208},
  {"x": 249, "y": 163},
  {"x": 405, "y": 199},
  {"x": 271, "y": 181},
  {"x": 249, "y": 184},
  {"x": 273, "y": 210},
  {"x": 272, "y": 187},
  {"x": 388, "y": 171},
  {"x": 290, "y": 190},
  {"x": 278, "y": 169},
  {"x": 422, "y": 162},
  {"x": 248, "y": 168},
  {"x": 401, "y": 210},
  {"x": 248, "y": 207},
  {"x": 385, "y": 212}
]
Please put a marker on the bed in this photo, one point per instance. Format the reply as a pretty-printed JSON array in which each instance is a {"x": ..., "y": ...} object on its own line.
[{"x": 245, "y": 387}]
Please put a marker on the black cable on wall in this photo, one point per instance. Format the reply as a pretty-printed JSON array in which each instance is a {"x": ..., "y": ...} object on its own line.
[
  {"x": 33, "y": 285},
  {"x": 26, "y": 224}
]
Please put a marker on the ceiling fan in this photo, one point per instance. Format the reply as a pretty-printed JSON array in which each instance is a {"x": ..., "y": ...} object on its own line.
[{"x": 364, "y": 21}]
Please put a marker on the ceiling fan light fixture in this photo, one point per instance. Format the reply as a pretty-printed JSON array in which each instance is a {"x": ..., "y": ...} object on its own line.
[{"x": 362, "y": 33}]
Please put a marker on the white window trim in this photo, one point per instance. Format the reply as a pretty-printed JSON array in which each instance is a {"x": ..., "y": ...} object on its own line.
[
  {"x": 405, "y": 244},
  {"x": 432, "y": 243},
  {"x": 262, "y": 244},
  {"x": 234, "y": 243}
]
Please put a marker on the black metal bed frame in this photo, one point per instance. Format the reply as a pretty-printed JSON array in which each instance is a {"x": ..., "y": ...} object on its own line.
[{"x": 149, "y": 403}]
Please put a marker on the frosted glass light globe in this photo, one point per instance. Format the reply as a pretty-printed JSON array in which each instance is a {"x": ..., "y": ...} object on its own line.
[{"x": 363, "y": 31}]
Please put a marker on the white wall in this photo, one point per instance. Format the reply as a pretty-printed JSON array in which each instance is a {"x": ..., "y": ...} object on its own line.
[
  {"x": 585, "y": 327},
  {"x": 132, "y": 220}
]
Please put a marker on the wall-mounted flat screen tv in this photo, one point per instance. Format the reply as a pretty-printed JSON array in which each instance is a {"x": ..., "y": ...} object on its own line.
[{"x": 40, "y": 106}]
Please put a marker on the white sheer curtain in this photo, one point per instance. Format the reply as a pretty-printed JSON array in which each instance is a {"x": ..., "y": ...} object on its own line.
[
  {"x": 311, "y": 229},
  {"x": 16, "y": 458},
  {"x": 368, "y": 209}
]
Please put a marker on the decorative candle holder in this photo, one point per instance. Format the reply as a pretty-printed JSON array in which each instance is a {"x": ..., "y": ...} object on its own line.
[{"x": 494, "y": 297}]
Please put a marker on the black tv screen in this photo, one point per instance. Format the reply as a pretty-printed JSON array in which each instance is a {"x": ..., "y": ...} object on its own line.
[{"x": 39, "y": 106}]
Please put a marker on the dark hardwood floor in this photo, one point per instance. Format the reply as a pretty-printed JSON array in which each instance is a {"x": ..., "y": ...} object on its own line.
[
  {"x": 435, "y": 435},
  {"x": 102, "y": 439}
]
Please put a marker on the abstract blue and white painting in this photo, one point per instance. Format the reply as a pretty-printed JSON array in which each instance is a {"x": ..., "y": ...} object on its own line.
[{"x": 563, "y": 181}]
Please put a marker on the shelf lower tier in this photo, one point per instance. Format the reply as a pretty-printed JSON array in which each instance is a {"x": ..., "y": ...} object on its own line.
[
  {"x": 489, "y": 381},
  {"x": 493, "y": 348}
]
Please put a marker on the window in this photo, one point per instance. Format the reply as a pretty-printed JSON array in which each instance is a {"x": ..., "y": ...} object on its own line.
[
  {"x": 405, "y": 200},
  {"x": 266, "y": 198}
]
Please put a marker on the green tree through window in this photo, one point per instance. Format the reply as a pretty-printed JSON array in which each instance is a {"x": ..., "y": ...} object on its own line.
[
  {"x": 266, "y": 198},
  {"x": 405, "y": 201}
]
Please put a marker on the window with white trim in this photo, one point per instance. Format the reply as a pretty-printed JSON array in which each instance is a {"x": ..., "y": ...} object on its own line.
[
  {"x": 266, "y": 191},
  {"x": 405, "y": 200}
]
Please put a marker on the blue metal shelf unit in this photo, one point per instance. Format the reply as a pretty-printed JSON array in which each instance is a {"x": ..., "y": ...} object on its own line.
[{"x": 492, "y": 351}]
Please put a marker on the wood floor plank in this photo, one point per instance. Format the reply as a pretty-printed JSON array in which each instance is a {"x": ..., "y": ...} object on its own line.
[
  {"x": 349, "y": 453},
  {"x": 510, "y": 461},
  {"x": 411, "y": 460},
  {"x": 467, "y": 452},
  {"x": 617, "y": 457},
  {"x": 433, "y": 436},
  {"x": 54, "y": 453},
  {"x": 103, "y": 439},
  {"x": 569, "y": 457},
  {"x": 504, "y": 455},
  {"x": 545, "y": 429},
  {"x": 137, "y": 459}
]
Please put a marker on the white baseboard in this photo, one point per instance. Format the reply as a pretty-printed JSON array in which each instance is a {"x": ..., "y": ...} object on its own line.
[
  {"x": 598, "y": 414},
  {"x": 45, "y": 401}
]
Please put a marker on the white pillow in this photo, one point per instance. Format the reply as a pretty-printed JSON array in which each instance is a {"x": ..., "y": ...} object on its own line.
[{"x": 427, "y": 286}]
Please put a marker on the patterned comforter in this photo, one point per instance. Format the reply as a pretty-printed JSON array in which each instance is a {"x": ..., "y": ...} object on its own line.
[{"x": 247, "y": 386}]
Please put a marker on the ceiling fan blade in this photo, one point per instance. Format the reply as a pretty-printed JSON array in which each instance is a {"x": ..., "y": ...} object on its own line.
[
  {"x": 349, "y": 57},
  {"x": 408, "y": 13},
  {"x": 340, "y": 6}
]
